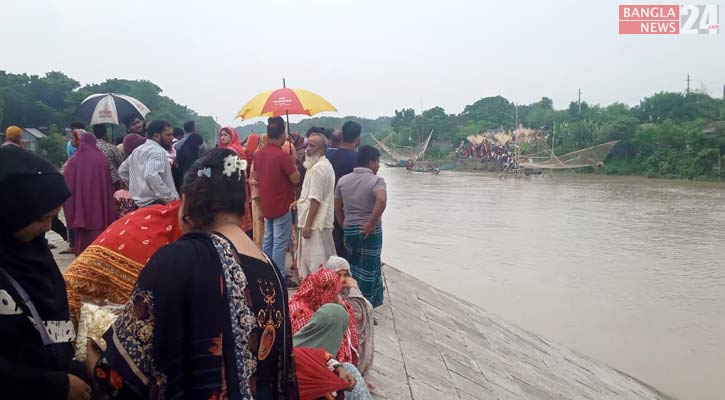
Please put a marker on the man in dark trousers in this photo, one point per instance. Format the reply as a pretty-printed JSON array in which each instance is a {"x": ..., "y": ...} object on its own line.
[{"x": 343, "y": 161}]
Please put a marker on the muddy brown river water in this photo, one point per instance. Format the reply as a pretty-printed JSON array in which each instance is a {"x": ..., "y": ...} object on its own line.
[{"x": 630, "y": 271}]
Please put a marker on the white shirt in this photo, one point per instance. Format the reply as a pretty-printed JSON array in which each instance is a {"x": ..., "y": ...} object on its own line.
[
  {"x": 319, "y": 184},
  {"x": 148, "y": 174}
]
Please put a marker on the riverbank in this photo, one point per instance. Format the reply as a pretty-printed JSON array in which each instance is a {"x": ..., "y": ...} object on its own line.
[
  {"x": 614, "y": 169},
  {"x": 432, "y": 345}
]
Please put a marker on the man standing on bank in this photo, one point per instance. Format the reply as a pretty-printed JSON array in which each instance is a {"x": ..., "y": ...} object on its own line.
[
  {"x": 276, "y": 176},
  {"x": 316, "y": 208},
  {"x": 360, "y": 199},
  {"x": 344, "y": 160}
]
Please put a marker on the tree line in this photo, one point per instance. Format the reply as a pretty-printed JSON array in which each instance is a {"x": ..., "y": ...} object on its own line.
[
  {"x": 50, "y": 102},
  {"x": 673, "y": 135}
]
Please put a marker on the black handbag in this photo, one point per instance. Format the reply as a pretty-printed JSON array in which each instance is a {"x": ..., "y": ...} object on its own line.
[{"x": 29, "y": 306}]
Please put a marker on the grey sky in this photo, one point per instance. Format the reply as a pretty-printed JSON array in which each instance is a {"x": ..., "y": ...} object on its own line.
[{"x": 367, "y": 57}]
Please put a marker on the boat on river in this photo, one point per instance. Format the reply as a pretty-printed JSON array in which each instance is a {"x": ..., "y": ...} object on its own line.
[
  {"x": 412, "y": 161},
  {"x": 423, "y": 169},
  {"x": 397, "y": 164}
]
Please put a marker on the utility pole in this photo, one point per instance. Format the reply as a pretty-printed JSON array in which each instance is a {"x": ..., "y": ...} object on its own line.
[
  {"x": 580, "y": 101},
  {"x": 688, "y": 84},
  {"x": 517, "y": 117}
]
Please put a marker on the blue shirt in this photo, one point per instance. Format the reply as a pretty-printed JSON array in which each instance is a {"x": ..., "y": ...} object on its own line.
[
  {"x": 343, "y": 162},
  {"x": 69, "y": 149}
]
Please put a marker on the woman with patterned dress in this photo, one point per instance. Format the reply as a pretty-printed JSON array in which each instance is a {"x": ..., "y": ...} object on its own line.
[
  {"x": 109, "y": 267},
  {"x": 315, "y": 344},
  {"x": 362, "y": 308},
  {"x": 316, "y": 290},
  {"x": 208, "y": 317}
]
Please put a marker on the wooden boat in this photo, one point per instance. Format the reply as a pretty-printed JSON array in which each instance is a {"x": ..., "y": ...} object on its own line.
[{"x": 421, "y": 170}]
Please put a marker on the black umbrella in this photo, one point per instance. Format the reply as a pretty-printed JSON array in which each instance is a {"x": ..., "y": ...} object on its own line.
[{"x": 110, "y": 108}]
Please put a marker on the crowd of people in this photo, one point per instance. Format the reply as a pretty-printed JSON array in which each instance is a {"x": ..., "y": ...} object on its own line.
[
  {"x": 193, "y": 244},
  {"x": 501, "y": 156}
]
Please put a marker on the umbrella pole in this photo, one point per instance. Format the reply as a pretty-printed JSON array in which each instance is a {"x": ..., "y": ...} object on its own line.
[{"x": 289, "y": 136}]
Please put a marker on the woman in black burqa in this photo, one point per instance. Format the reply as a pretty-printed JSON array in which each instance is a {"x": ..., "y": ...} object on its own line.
[
  {"x": 33, "y": 364},
  {"x": 208, "y": 317}
]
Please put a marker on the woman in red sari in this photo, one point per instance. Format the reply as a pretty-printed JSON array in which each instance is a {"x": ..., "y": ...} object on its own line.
[
  {"x": 108, "y": 268},
  {"x": 229, "y": 139},
  {"x": 316, "y": 290}
]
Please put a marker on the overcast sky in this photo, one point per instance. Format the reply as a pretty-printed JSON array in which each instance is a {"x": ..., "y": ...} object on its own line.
[{"x": 367, "y": 57}]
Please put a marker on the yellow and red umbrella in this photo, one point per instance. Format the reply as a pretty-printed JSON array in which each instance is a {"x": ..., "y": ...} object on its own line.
[{"x": 284, "y": 101}]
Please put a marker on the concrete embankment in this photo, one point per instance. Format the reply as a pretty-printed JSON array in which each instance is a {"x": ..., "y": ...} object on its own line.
[{"x": 431, "y": 345}]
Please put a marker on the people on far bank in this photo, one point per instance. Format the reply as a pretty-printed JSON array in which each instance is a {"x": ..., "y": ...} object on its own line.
[
  {"x": 344, "y": 160},
  {"x": 360, "y": 200},
  {"x": 276, "y": 175},
  {"x": 316, "y": 208},
  {"x": 147, "y": 171}
]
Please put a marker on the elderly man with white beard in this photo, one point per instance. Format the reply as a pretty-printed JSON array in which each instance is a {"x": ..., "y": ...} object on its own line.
[{"x": 316, "y": 208}]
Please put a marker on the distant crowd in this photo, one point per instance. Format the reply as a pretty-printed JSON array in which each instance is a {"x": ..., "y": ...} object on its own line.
[{"x": 501, "y": 156}]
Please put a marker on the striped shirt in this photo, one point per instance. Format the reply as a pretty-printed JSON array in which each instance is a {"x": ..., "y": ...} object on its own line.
[{"x": 148, "y": 174}]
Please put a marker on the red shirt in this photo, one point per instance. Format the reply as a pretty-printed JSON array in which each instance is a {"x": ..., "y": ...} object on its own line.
[{"x": 273, "y": 168}]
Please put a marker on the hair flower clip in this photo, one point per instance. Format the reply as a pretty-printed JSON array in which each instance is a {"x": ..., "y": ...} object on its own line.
[
  {"x": 232, "y": 164},
  {"x": 204, "y": 172}
]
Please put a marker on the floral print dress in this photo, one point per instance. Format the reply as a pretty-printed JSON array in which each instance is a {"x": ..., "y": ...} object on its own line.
[{"x": 203, "y": 322}]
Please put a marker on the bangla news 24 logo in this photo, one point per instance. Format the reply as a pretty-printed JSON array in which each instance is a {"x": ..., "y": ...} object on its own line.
[{"x": 661, "y": 19}]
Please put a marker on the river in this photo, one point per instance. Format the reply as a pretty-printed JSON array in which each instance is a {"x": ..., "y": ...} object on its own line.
[{"x": 630, "y": 271}]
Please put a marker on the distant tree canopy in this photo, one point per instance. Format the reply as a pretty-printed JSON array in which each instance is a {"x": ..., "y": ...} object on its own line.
[
  {"x": 35, "y": 101},
  {"x": 666, "y": 134}
]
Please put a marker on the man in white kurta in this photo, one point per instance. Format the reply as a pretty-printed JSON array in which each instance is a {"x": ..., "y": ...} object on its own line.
[{"x": 316, "y": 208}]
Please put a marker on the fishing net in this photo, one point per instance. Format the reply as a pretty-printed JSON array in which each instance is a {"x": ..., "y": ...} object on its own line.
[{"x": 589, "y": 157}]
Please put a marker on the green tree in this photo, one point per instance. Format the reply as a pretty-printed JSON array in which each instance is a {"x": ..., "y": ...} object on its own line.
[
  {"x": 538, "y": 115},
  {"x": 53, "y": 147},
  {"x": 491, "y": 112}
]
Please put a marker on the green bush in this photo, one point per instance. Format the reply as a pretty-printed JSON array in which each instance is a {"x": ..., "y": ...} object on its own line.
[{"x": 53, "y": 148}]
